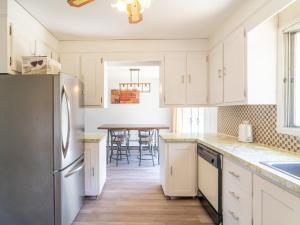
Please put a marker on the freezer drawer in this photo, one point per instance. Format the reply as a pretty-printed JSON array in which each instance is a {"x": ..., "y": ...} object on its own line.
[{"x": 70, "y": 192}]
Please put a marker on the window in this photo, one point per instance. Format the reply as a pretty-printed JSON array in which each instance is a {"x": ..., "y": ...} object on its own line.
[
  {"x": 196, "y": 120},
  {"x": 292, "y": 79}
]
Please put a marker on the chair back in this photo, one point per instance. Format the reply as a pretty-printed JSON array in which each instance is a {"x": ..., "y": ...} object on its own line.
[
  {"x": 146, "y": 136},
  {"x": 118, "y": 136}
]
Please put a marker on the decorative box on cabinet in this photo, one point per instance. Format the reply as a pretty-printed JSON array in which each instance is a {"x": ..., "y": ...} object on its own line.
[
  {"x": 95, "y": 165},
  {"x": 178, "y": 169}
]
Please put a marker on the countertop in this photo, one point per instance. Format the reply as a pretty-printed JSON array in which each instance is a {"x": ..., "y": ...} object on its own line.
[
  {"x": 249, "y": 155},
  {"x": 93, "y": 138}
]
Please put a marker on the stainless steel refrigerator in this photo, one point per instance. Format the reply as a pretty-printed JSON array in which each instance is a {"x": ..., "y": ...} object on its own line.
[{"x": 41, "y": 149}]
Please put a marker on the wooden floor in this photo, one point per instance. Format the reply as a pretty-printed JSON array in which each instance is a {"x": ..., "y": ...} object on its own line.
[{"x": 133, "y": 196}]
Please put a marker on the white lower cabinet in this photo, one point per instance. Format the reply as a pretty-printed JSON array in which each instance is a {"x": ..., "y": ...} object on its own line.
[
  {"x": 178, "y": 169},
  {"x": 237, "y": 194},
  {"x": 272, "y": 205},
  {"x": 95, "y": 167}
]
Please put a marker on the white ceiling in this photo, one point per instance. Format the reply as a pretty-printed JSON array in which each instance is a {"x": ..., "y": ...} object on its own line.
[{"x": 165, "y": 19}]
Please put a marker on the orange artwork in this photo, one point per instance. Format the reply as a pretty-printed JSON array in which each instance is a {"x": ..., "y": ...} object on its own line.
[{"x": 125, "y": 97}]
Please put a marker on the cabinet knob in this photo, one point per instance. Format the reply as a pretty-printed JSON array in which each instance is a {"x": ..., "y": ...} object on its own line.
[
  {"x": 234, "y": 174},
  {"x": 182, "y": 79},
  {"x": 220, "y": 73},
  {"x": 233, "y": 215},
  {"x": 234, "y": 195}
]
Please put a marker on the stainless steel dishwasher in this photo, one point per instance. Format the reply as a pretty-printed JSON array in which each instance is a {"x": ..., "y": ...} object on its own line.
[{"x": 210, "y": 181}]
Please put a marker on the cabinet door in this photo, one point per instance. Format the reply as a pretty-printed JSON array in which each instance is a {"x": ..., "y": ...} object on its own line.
[
  {"x": 216, "y": 75},
  {"x": 272, "y": 205},
  {"x": 21, "y": 45},
  {"x": 92, "y": 72},
  {"x": 182, "y": 167},
  {"x": 162, "y": 166},
  {"x": 89, "y": 180},
  {"x": 70, "y": 64},
  {"x": 43, "y": 49},
  {"x": 175, "y": 79},
  {"x": 196, "y": 92},
  {"x": 102, "y": 163},
  {"x": 234, "y": 67}
]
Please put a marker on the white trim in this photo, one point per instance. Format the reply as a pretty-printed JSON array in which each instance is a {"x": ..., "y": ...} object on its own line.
[
  {"x": 288, "y": 130},
  {"x": 281, "y": 74}
]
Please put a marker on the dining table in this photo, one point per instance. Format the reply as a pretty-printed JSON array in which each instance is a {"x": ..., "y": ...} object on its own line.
[{"x": 131, "y": 127}]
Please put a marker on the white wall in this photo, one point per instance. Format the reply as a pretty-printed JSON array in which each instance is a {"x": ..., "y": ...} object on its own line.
[{"x": 147, "y": 112}]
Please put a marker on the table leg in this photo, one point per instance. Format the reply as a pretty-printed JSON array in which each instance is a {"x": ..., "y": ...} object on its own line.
[{"x": 158, "y": 156}]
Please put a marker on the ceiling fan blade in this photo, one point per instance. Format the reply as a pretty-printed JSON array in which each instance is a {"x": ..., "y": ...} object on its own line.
[{"x": 79, "y": 3}]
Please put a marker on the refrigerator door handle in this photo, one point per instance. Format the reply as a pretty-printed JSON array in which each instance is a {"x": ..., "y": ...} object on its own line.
[
  {"x": 65, "y": 120},
  {"x": 76, "y": 169}
]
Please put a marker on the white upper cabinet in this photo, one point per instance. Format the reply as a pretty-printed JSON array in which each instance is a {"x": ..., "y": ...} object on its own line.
[
  {"x": 196, "y": 90},
  {"x": 234, "y": 67},
  {"x": 216, "y": 75},
  {"x": 248, "y": 71},
  {"x": 185, "y": 79},
  {"x": 175, "y": 79},
  {"x": 92, "y": 74},
  {"x": 22, "y": 35},
  {"x": 70, "y": 64},
  {"x": 21, "y": 45}
]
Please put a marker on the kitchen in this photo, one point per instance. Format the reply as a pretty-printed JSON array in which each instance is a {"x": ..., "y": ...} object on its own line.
[{"x": 126, "y": 112}]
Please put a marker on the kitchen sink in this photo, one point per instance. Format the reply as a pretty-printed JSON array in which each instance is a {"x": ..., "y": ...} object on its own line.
[{"x": 289, "y": 168}]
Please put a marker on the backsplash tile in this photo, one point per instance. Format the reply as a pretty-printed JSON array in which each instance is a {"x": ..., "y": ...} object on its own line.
[{"x": 263, "y": 119}]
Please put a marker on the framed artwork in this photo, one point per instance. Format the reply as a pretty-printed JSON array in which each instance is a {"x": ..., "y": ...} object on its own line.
[{"x": 125, "y": 96}]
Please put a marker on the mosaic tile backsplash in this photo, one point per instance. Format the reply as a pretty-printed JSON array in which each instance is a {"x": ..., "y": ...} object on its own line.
[{"x": 263, "y": 119}]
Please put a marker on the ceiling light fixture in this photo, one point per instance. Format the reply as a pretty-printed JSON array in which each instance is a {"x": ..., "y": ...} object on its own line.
[
  {"x": 78, "y": 3},
  {"x": 141, "y": 87},
  {"x": 133, "y": 8}
]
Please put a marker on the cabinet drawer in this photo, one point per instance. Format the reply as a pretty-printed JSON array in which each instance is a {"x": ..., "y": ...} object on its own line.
[
  {"x": 238, "y": 206},
  {"x": 231, "y": 218},
  {"x": 237, "y": 176}
]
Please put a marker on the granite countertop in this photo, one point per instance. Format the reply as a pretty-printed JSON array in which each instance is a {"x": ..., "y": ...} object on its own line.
[
  {"x": 93, "y": 138},
  {"x": 249, "y": 155}
]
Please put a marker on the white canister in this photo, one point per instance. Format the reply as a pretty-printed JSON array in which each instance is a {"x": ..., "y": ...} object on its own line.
[{"x": 245, "y": 132}]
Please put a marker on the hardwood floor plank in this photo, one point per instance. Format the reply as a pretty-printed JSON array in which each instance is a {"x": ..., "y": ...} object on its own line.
[{"x": 133, "y": 196}]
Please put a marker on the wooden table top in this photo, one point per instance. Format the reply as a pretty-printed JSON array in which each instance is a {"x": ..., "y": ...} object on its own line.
[{"x": 133, "y": 127}]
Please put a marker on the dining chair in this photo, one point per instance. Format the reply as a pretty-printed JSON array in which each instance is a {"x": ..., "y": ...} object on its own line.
[
  {"x": 146, "y": 147},
  {"x": 119, "y": 138}
]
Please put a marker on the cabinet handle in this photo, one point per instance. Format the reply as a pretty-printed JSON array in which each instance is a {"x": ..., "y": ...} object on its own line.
[
  {"x": 190, "y": 78},
  {"x": 171, "y": 171},
  {"x": 234, "y": 174},
  {"x": 182, "y": 79},
  {"x": 93, "y": 171},
  {"x": 220, "y": 73},
  {"x": 234, "y": 195},
  {"x": 233, "y": 215},
  {"x": 224, "y": 71}
]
